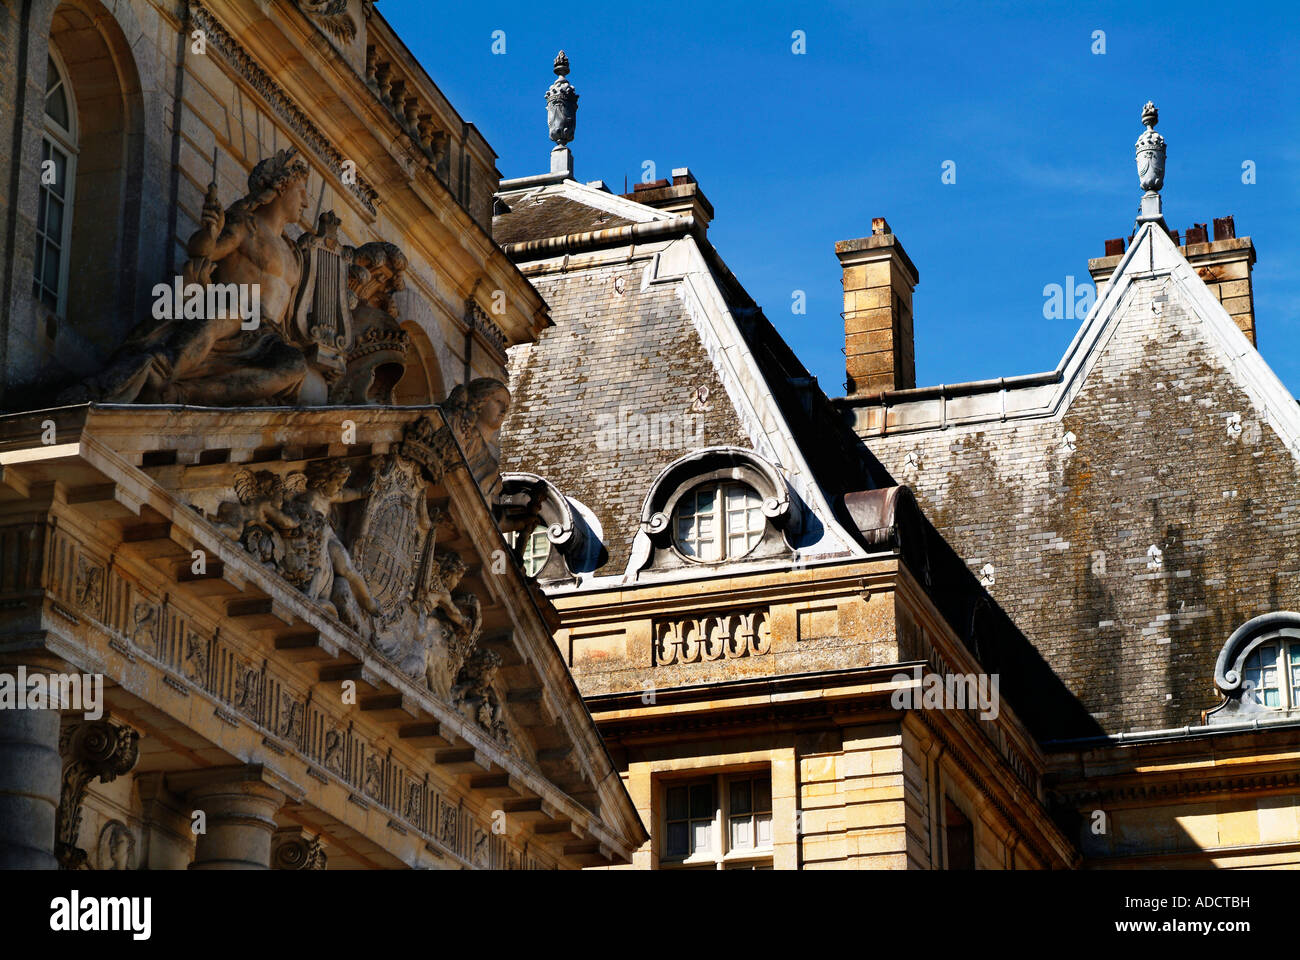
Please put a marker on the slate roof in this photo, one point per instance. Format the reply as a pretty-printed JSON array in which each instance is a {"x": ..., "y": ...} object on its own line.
[
  {"x": 1162, "y": 428},
  {"x": 623, "y": 342},
  {"x": 529, "y": 217}
]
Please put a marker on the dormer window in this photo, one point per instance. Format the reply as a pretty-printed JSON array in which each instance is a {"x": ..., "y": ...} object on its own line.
[
  {"x": 719, "y": 521},
  {"x": 533, "y": 549},
  {"x": 1258, "y": 670},
  {"x": 712, "y": 506},
  {"x": 1272, "y": 675}
]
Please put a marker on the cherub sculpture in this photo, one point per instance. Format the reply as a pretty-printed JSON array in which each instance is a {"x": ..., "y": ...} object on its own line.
[
  {"x": 473, "y": 690},
  {"x": 315, "y": 558},
  {"x": 261, "y": 505}
]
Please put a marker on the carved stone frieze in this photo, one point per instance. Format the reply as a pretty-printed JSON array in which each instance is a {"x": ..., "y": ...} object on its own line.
[
  {"x": 88, "y": 590},
  {"x": 91, "y": 750},
  {"x": 712, "y": 637},
  {"x": 365, "y": 549}
]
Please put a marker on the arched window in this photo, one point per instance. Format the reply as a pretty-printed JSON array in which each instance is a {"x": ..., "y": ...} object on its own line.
[
  {"x": 713, "y": 506},
  {"x": 533, "y": 549},
  {"x": 719, "y": 520},
  {"x": 1272, "y": 674},
  {"x": 1258, "y": 670},
  {"x": 58, "y": 177}
]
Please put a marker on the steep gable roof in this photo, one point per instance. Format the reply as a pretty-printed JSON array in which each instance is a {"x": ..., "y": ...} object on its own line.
[
  {"x": 649, "y": 321},
  {"x": 1129, "y": 509}
]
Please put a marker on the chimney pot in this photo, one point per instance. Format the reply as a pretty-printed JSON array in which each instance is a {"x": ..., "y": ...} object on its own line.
[
  {"x": 1197, "y": 233},
  {"x": 1115, "y": 248},
  {"x": 879, "y": 226},
  {"x": 1224, "y": 228}
]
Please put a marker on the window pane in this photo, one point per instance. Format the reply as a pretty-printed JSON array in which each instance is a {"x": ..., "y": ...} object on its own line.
[
  {"x": 763, "y": 830},
  {"x": 56, "y": 101},
  {"x": 702, "y": 800},
  {"x": 60, "y": 172},
  {"x": 55, "y": 220},
  {"x": 763, "y": 794},
  {"x": 740, "y": 797},
  {"x": 1261, "y": 675},
  {"x": 50, "y": 277},
  {"x": 1294, "y": 656},
  {"x": 676, "y": 803},
  {"x": 741, "y": 837},
  {"x": 677, "y": 837},
  {"x": 701, "y": 831}
]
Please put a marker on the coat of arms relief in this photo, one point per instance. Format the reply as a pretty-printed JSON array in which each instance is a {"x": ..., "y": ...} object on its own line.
[{"x": 359, "y": 538}]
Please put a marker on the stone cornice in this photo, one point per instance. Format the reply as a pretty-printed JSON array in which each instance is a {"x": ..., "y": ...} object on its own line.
[{"x": 283, "y": 105}]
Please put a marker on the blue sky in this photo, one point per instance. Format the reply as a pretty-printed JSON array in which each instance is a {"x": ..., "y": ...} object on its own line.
[{"x": 798, "y": 151}]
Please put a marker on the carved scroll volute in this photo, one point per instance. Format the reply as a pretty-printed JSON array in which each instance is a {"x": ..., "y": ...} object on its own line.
[
  {"x": 322, "y": 316},
  {"x": 91, "y": 750}
]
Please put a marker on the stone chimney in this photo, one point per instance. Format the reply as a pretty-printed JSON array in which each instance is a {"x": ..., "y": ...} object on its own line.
[
  {"x": 1224, "y": 263},
  {"x": 682, "y": 196},
  {"x": 879, "y": 278}
]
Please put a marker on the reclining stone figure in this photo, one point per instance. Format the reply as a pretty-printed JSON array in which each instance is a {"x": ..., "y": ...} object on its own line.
[{"x": 213, "y": 360}]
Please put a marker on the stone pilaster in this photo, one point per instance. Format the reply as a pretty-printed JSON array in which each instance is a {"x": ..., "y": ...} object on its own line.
[
  {"x": 91, "y": 750},
  {"x": 239, "y": 804},
  {"x": 29, "y": 788}
]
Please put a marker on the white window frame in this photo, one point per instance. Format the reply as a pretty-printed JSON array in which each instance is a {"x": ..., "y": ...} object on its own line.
[
  {"x": 1286, "y": 664},
  {"x": 527, "y": 550},
  {"x": 720, "y": 855},
  {"x": 722, "y": 534},
  {"x": 65, "y": 140}
]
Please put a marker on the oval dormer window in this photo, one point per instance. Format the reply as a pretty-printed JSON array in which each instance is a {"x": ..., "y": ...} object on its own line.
[
  {"x": 1272, "y": 675},
  {"x": 718, "y": 521},
  {"x": 533, "y": 549}
]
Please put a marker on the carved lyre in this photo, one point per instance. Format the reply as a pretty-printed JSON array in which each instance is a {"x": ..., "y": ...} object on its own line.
[{"x": 322, "y": 315}]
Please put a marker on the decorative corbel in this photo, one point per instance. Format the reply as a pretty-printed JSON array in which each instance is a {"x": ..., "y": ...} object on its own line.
[{"x": 92, "y": 749}]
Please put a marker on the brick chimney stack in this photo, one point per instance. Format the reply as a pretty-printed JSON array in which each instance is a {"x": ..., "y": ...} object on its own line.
[
  {"x": 1224, "y": 263},
  {"x": 879, "y": 278}
]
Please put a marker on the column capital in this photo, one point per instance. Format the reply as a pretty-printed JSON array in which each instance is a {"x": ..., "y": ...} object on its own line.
[
  {"x": 296, "y": 848},
  {"x": 238, "y": 804}
]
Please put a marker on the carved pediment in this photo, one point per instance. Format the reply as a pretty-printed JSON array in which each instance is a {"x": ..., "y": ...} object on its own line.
[{"x": 361, "y": 541}]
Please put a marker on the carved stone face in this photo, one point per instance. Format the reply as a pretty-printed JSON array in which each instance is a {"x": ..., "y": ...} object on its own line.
[
  {"x": 120, "y": 850},
  {"x": 493, "y": 412},
  {"x": 292, "y": 202}
]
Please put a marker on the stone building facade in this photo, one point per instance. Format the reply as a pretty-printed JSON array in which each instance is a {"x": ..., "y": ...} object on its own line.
[
  {"x": 1113, "y": 540},
  {"x": 742, "y": 589},
  {"x": 254, "y": 340}
]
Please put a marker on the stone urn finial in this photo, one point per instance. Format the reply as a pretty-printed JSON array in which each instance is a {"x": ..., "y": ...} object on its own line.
[
  {"x": 1151, "y": 165},
  {"x": 1151, "y": 151},
  {"x": 561, "y": 103}
]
